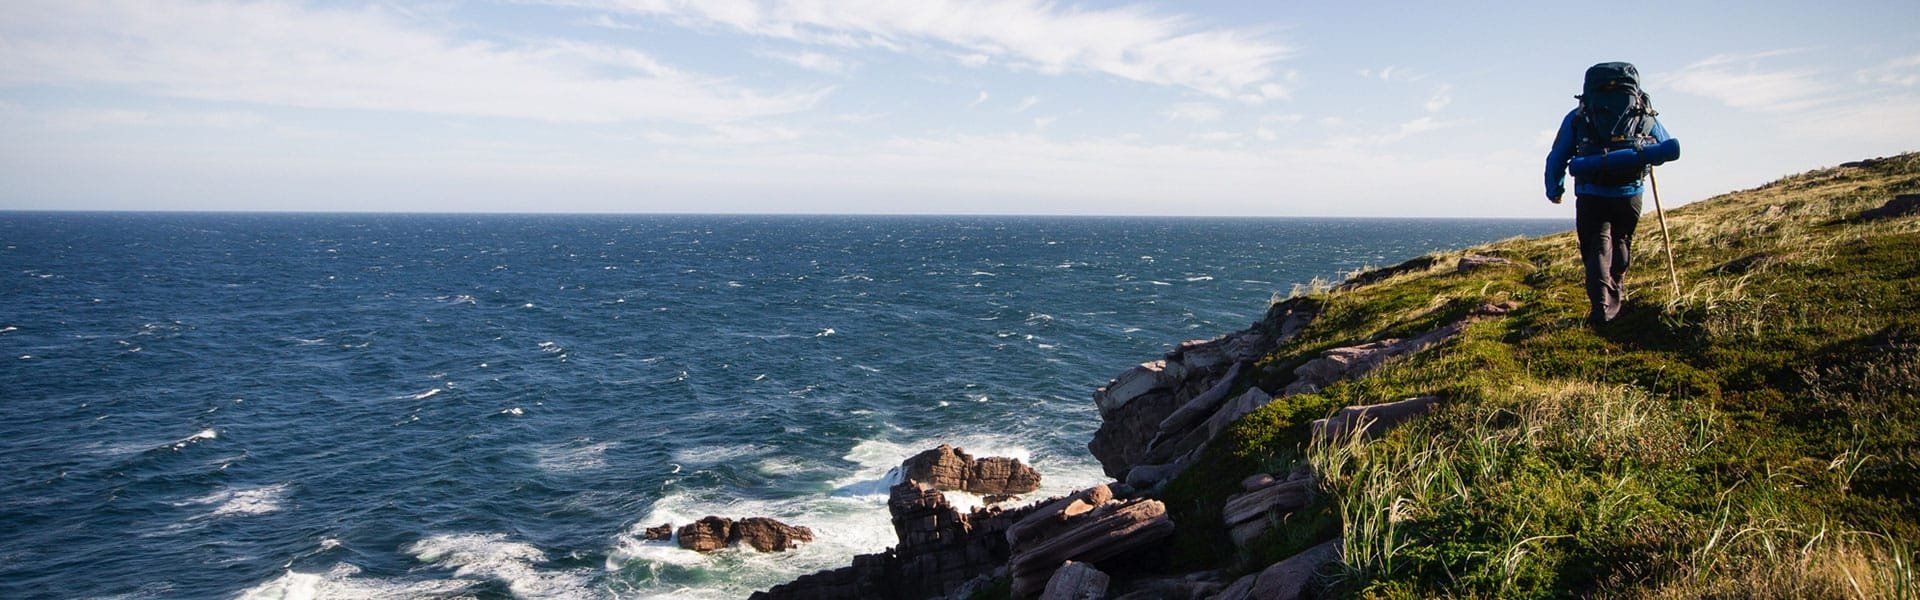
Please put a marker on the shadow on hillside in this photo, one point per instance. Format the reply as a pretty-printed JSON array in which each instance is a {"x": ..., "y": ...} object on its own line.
[{"x": 1641, "y": 326}]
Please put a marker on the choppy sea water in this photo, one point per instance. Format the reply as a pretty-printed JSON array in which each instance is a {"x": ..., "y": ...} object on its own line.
[{"x": 365, "y": 406}]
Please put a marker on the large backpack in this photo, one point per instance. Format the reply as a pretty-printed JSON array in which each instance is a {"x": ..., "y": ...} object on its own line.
[{"x": 1614, "y": 114}]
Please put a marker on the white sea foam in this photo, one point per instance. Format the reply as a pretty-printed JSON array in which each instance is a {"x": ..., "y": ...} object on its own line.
[
  {"x": 341, "y": 582},
  {"x": 514, "y": 412},
  {"x": 425, "y": 395},
  {"x": 826, "y": 332},
  {"x": 1201, "y": 278},
  {"x": 8, "y": 329},
  {"x": 202, "y": 435},
  {"x": 493, "y": 557},
  {"x": 572, "y": 457},
  {"x": 718, "y": 454},
  {"x": 240, "y": 502}
]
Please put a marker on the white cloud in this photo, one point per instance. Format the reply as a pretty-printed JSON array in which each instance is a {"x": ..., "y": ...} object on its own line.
[
  {"x": 1442, "y": 96},
  {"x": 1392, "y": 74},
  {"x": 811, "y": 61},
  {"x": 1130, "y": 43},
  {"x": 1904, "y": 72},
  {"x": 982, "y": 99},
  {"x": 363, "y": 59},
  {"x": 1043, "y": 122},
  {"x": 1399, "y": 133},
  {"x": 1739, "y": 82},
  {"x": 1196, "y": 112},
  {"x": 1026, "y": 103}
]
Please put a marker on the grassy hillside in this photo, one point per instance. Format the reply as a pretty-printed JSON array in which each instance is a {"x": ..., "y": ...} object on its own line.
[{"x": 1753, "y": 435}]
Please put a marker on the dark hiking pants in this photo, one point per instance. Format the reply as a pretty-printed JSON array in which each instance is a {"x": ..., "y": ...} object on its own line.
[{"x": 1606, "y": 228}]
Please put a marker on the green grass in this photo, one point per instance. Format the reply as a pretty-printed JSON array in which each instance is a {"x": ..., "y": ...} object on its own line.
[{"x": 1751, "y": 435}]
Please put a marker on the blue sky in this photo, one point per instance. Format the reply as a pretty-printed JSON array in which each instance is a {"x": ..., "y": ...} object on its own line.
[{"x": 923, "y": 106}]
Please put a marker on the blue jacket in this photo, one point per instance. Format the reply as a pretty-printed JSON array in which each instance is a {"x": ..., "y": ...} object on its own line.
[{"x": 1563, "y": 146}]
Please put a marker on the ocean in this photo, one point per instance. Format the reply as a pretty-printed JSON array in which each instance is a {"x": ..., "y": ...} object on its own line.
[{"x": 418, "y": 406}]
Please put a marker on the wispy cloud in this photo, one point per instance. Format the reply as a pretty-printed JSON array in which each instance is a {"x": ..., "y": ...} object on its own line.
[
  {"x": 361, "y": 59},
  {"x": 1195, "y": 112},
  {"x": 1903, "y": 72},
  {"x": 1442, "y": 96},
  {"x": 811, "y": 61},
  {"x": 1739, "y": 81},
  {"x": 1128, "y": 42},
  {"x": 1391, "y": 74}
]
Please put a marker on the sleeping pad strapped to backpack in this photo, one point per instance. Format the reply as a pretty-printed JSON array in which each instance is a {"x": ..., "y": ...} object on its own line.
[{"x": 1614, "y": 115}]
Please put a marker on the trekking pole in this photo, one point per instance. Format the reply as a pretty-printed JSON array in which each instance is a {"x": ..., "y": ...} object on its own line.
[{"x": 1672, "y": 274}]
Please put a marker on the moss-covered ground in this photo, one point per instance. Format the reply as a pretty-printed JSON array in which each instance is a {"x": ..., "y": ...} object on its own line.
[{"x": 1754, "y": 433}]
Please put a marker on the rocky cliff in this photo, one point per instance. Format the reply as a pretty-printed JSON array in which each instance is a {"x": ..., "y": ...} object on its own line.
[{"x": 1451, "y": 425}]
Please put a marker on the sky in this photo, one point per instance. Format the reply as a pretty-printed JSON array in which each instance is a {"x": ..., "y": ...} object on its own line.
[{"x": 1194, "y": 108}]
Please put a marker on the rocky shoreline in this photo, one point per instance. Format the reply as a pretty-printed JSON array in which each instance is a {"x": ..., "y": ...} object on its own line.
[{"x": 1108, "y": 541}]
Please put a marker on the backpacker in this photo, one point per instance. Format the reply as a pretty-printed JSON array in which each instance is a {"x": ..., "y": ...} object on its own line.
[{"x": 1614, "y": 114}]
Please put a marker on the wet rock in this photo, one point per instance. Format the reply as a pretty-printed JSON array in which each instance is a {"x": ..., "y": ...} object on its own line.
[
  {"x": 706, "y": 535},
  {"x": 952, "y": 469},
  {"x": 661, "y": 533},
  {"x": 768, "y": 535}
]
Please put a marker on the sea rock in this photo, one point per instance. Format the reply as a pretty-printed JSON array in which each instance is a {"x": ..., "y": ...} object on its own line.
[
  {"x": 768, "y": 535},
  {"x": 940, "y": 551},
  {"x": 706, "y": 535},
  {"x": 661, "y": 533},
  {"x": 1076, "y": 581},
  {"x": 1106, "y": 532},
  {"x": 713, "y": 533},
  {"x": 1373, "y": 419},
  {"x": 1247, "y": 515},
  {"x": 1900, "y": 206},
  {"x": 952, "y": 469},
  {"x": 1284, "y": 580}
]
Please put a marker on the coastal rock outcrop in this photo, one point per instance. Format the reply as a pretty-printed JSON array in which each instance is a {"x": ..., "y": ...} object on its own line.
[
  {"x": 1108, "y": 531},
  {"x": 1148, "y": 413},
  {"x": 1284, "y": 580},
  {"x": 706, "y": 535},
  {"x": 952, "y": 469},
  {"x": 1373, "y": 418},
  {"x": 714, "y": 533},
  {"x": 1251, "y": 514},
  {"x": 1076, "y": 581}
]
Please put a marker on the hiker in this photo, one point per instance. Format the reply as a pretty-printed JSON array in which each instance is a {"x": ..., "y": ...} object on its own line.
[{"x": 1609, "y": 142}]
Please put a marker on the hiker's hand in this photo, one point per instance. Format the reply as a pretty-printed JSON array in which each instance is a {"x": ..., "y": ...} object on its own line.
[{"x": 1554, "y": 198}]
